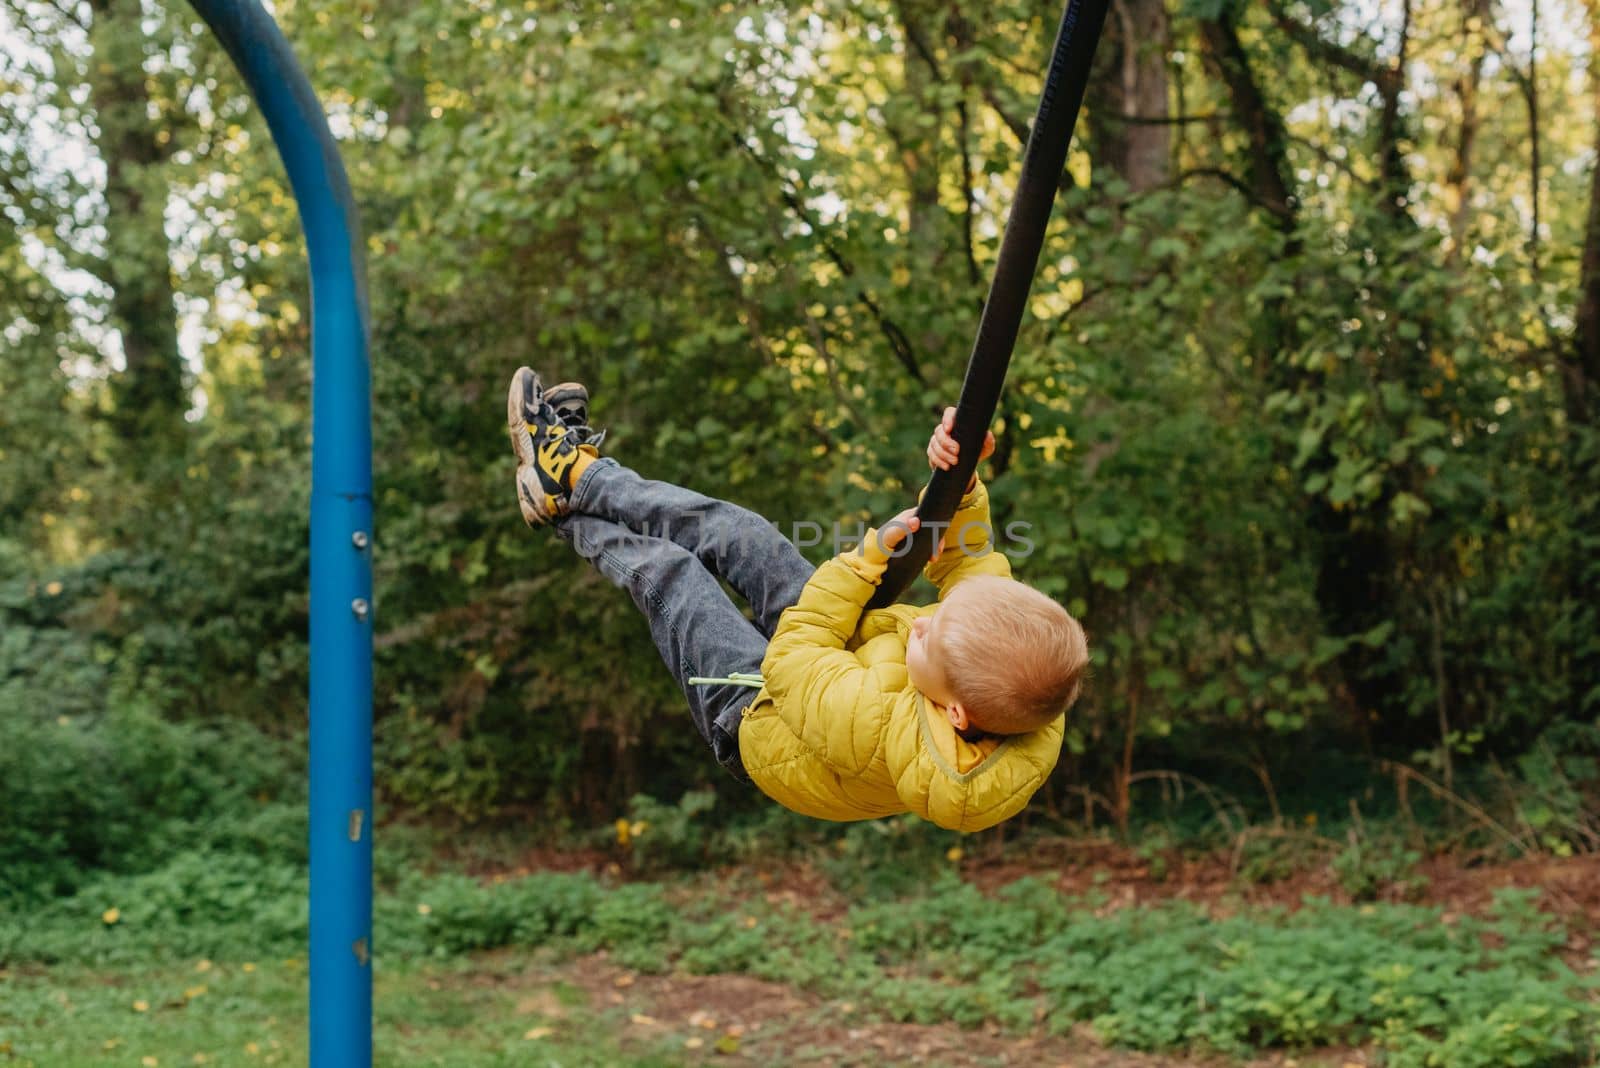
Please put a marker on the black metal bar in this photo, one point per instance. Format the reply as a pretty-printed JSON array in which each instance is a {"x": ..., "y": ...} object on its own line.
[{"x": 1042, "y": 163}]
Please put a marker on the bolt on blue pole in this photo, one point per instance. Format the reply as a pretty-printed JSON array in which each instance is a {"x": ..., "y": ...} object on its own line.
[{"x": 341, "y": 534}]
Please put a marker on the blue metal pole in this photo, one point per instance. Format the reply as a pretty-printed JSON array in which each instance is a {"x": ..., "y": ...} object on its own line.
[{"x": 341, "y": 535}]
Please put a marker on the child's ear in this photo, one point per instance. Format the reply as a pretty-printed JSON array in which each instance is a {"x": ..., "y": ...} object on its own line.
[{"x": 958, "y": 716}]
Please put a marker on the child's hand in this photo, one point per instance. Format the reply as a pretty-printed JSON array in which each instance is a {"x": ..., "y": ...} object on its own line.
[
  {"x": 901, "y": 527},
  {"x": 869, "y": 558},
  {"x": 897, "y": 530},
  {"x": 943, "y": 448}
]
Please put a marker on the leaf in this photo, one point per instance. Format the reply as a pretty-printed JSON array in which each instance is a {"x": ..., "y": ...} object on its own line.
[
  {"x": 1165, "y": 679},
  {"x": 1166, "y": 246},
  {"x": 1113, "y": 578},
  {"x": 1310, "y": 438}
]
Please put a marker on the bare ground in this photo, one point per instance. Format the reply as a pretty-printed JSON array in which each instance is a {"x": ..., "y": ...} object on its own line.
[
  {"x": 1569, "y": 887},
  {"x": 1460, "y": 885},
  {"x": 737, "y": 1020}
]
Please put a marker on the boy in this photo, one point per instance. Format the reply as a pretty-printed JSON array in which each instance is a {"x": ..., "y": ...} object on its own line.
[{"x": 952, "y": 711}]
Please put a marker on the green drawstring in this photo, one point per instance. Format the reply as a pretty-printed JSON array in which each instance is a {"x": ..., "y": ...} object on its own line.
[{"x": 738, "y": 678}]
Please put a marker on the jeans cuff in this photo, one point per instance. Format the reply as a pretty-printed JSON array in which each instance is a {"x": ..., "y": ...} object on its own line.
[{"x": 580, "y": 489}]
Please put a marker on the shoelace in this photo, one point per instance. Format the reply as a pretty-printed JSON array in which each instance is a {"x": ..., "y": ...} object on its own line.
[{"x": 582, "y": 433}]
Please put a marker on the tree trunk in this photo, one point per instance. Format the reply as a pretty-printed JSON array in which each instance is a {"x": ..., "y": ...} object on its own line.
[
  {"x": 1355, "y": 560},
  {"x": 1581, "y": 367},
  {"x": 1270, "y": 180},
  {"x": 1394, "y": 180},
  {"x": 1392, "y": 130},
  {"x": 1129, "y": 112},
  {"x": 149, "y": 393},
  {"x": 919, "y": 143},
  {"x": 1475, "y": 46}
]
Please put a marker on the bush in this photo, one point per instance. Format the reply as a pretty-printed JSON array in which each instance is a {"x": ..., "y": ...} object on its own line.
[
  {"x": 659, "y": 836},
  {"x": 1368, "y": 869},
  {"x": 1557, "y": 793},
  {"x": 201, "y": 903},
  {"x": 425, "y": 770},
  {"x": 117, "y": 790},
  {"x": 886, "y": 858}
]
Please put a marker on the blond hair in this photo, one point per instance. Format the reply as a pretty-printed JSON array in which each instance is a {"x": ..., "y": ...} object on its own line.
[{"x": 1013, "y": 657}]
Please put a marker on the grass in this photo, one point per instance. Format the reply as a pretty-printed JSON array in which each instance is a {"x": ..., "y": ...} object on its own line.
[
  {"x": 254, "y": 1013},
  {"x": 199, "y": 958}
]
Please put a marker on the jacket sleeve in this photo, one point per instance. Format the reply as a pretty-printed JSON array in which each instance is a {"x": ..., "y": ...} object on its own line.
[
  {"x": 969, "y": 545},
  {"x": 832, "y": 702}
]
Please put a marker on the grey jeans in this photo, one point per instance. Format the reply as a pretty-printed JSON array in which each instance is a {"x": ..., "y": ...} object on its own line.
[{"x": 667, "y": 546}]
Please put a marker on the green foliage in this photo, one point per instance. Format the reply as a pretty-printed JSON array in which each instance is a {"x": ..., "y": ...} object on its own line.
[
  {"x": 119, "y": 790},
  {"x": 463, "y": 1014},
  {"x": 1321, "y": 976},
  {"x": 888, "y": 857},
  {"x": 1273, "y": 856},
  {"x": 425, "y": 771},
  {"x": 1317, "y": 476},
  {"x": 1426, "y": 989},
  {"x": 1368, "y": 870},
  {"x": 1556, "y": 795},
  {"x": 660, "y": 836},
  {"x": 201, "y": 903},
  {"x": 1315, "y": 480}
]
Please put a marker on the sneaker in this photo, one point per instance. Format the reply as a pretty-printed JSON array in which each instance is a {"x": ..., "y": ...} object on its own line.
[
  {"x": 569, "y": 399},
  {"x": 571, "y": 402},
  {"x": 550, "y": 454}
]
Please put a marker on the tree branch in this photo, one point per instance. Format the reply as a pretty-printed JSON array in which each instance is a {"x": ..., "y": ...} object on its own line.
[
  {"x": 1388, "y": 79},
  {"x": 1018, "y": 128},
  {"x": 1227, "y": 178},
  {"x": 899, "y": 344},
  {"x": 70, "y": 15},
  {"x": 1581, "y": 369},
  {"x": 1476, "y": 23},
  {"x": 1209, "y": 118},
  {"x": 959, "y": 30},
  {"x": 1269, "y": 186},
  {"x": 1347, "y": 59},
  {"x": 968, "y": 204},
  {"x": 918, "y": 43},
  {"x": 1531, "y": 95}
]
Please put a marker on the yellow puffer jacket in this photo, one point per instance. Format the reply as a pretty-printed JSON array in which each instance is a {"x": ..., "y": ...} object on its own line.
[{"x": 838, "y": 732}]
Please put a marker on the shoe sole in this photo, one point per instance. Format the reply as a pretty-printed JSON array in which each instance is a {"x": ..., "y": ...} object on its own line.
[
  {"x": 521, "y": 398},
  {"x": 531, "y": 501}
]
